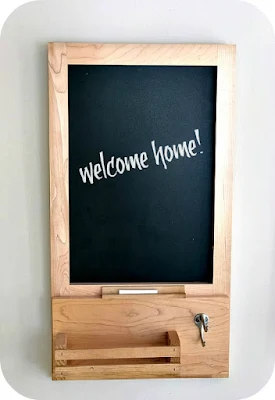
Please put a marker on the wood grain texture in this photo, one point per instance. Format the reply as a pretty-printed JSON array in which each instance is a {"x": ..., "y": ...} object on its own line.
[
  {"x": 224, "y": 168},
  {"x": 174, "y": 340},
  {"x": 108, "y": 323},
  {"x": 144, "y": 296},
  {"x": 119, "y": 352},
  {"x": 58, "y": 142},
  {"x": 60, "y": 345},
  {"x": 141, "y": 54},
  {"x": 167, "y": 291},
  {"x": 62, "y": 54},
  {"x": 117, "y": 371}
]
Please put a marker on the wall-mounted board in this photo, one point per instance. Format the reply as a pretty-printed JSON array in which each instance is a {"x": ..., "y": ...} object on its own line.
[{"x": 140, "y": 162}]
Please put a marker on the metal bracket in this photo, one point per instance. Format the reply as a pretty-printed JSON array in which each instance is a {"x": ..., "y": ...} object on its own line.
[{"x": 202, "y": 320}]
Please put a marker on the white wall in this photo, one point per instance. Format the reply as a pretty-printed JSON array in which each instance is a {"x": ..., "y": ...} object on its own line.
[{"x": 25, "y": 290}]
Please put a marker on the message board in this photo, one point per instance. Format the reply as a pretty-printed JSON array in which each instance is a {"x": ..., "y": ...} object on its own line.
[
  {"x": 141, "y": 173},
  {"x": 140, "y": 145}
]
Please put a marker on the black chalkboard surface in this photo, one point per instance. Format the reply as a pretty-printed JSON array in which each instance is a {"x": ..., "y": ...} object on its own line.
[{"x": 141, "y": 173}]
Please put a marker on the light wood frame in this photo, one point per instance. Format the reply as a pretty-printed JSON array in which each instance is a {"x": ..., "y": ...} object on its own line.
[{"x": 60, "y": 55}]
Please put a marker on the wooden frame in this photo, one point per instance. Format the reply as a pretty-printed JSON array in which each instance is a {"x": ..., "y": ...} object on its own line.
[{"x": 60, "y": 55}]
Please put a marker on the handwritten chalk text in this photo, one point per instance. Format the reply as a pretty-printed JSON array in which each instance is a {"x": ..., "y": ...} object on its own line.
[{"x": 120, "y": 165}]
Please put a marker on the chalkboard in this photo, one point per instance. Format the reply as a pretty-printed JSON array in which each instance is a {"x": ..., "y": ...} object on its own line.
[{"x": 141, "y": 173}]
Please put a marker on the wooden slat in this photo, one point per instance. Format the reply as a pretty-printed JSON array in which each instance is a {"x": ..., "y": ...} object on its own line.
[
  {"x": 168, "y": 291},
  {"x": 126, "y": 352},
  {"x": 224, "y": 167},
  {"x": 162, "y": 289},
  {"x": 144, "y": 296},
  {"x": 60, "y": 345},
  {"x": 173, "y": 340},
  {"x": 117, "y": 371},
  {"x": 141, "y": 54},
  {"x": 58, "y": 143}
]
